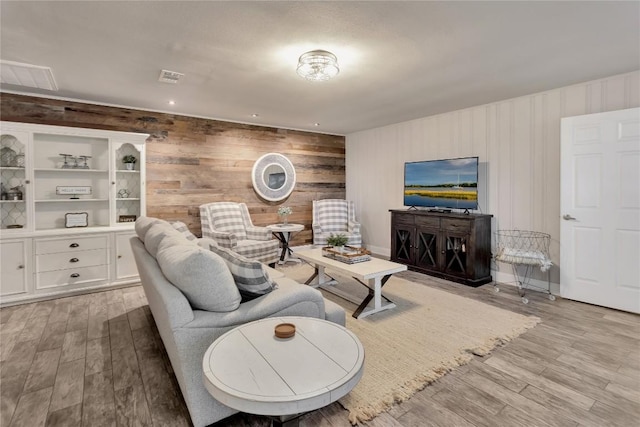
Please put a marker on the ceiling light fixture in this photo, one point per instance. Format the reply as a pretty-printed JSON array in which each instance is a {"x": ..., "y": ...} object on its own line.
[
  {"x": 172, "y": 102},
  {"x": 318, "y": 65}
]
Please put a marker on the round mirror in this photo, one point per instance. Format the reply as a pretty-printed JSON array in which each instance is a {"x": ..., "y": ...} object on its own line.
[{"x": 273, "y": 177}]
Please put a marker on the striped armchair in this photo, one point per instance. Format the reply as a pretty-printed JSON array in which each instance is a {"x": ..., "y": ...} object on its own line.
[
  {"x": 335, "y": 216},
  {"x": 229, "y": 224}
]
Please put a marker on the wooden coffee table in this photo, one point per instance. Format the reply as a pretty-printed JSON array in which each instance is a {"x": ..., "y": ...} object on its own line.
[
  {"x": 251, "y": 370},
  {"x": 375, "y": 272}
]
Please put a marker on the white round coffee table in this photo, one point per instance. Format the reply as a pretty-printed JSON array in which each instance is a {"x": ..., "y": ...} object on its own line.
[{"x": 253, "y": 371}]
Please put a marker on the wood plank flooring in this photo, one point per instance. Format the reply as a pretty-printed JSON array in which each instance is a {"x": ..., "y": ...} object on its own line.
[{"x": 97, "y": 359}]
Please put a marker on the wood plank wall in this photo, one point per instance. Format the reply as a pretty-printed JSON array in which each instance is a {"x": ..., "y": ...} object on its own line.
[{"x": 191, "y": 161}]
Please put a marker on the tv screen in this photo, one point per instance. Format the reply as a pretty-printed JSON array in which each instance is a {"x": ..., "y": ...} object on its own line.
[{"x": 447, "y": 183}]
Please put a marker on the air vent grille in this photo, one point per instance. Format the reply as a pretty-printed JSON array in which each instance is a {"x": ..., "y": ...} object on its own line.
[
  {"x": 27, "y": 75},
  {"x": 167, "y": 76}
]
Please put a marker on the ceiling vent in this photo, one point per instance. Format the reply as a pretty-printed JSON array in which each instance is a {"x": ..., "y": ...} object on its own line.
[
  {"x": 27, "y": 75},
  {"x": 167, "y": 76}
]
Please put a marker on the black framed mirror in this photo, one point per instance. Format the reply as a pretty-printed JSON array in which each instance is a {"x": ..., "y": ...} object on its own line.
[{"x": 273, "y": 177}]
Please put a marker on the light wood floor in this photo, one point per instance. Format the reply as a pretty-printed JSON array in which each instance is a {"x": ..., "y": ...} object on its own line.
[{"x": 98, "y": 360}]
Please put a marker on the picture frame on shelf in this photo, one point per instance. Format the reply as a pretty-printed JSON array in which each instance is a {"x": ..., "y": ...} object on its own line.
[
  {"x": 127, "y": 218},
  {"x": 76, "y": 219},
  {"x": 73, "y": 191}
]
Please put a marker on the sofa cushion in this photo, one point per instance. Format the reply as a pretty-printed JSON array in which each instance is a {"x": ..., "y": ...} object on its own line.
[
  {"x": 144, "y": 223},
  {"x": 201, "y": 275},
  {"x": 173, "y": 240},
  {"x": 182, "y": 228},
  {"x": 156, "y": 233},
  {"x": 250, "y": 276}
]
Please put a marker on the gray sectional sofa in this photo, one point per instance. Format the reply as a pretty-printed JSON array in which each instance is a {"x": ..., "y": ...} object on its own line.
[{"x": 187, "y": 331}]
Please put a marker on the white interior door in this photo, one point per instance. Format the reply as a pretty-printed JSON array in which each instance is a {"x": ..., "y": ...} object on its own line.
[{"x": 600, "y": 207}]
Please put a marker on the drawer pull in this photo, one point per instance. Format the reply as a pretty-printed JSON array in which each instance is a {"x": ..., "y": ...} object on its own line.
[
  {"x": 74, "y": 260},
  {"x": 20, "y": 267},
  {"x": 74, "y": 275},
  {"x": 74, "y": 245}
]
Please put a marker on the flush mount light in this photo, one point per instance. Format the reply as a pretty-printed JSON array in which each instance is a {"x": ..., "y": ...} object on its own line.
[
  {"x": 318, "y": 65},
  {"x": 172, "y": 102},
  {"x": 255, "y": 115}
]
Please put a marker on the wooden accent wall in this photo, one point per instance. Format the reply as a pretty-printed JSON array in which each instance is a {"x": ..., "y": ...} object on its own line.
[{"x": 191, "y": 161}]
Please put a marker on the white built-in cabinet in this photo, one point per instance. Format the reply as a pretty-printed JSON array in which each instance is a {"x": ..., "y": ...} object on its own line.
[{"x": 68, "y": 202}]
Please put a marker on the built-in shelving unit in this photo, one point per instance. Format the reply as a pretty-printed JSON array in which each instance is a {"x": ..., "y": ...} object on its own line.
[{"x": 40, "y": 169}]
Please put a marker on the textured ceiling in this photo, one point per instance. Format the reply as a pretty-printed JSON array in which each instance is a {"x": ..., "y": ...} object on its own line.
[{"x": 399, "y": 60}]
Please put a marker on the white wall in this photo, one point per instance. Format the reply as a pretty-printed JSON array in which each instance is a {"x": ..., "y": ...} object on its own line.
[{"x": 517, "y": 141}]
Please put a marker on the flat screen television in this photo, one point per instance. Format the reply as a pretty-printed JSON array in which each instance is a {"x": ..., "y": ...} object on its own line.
[{"x": 446, "y": 183}]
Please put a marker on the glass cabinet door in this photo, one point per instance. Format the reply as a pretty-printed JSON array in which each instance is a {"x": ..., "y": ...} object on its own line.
[
  {"x": 128, "y": 182},
  {"x": 427, "y": 241},
  {"x": 15, "y": 188},
  {"x": 403, "y": 244},
  {"x": 455, "y": 248}
]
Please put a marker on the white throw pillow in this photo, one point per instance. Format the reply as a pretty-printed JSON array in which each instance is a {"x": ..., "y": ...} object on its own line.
[
  {"x": 201, "y": 275},
  {"x": 250, "y": 276}
]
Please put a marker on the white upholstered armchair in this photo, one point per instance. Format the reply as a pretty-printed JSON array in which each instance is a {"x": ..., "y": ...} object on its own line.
[
  {"x": 229, "y": 224},
  {"x": 335, "y": 216}
]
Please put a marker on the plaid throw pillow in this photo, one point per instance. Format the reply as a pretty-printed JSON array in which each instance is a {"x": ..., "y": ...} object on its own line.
[
  {"x": 250, "y": 276},
  {"x": 183, "y": 229}
]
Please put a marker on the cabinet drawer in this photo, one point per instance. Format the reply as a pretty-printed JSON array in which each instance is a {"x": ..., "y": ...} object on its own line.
[
  {"x": 427, "y": 221},
  {"x": 71, "y": 244},
  {"x": 462, "y": 225},
  {"x": 65, "y": 260},
  {"x": 72, "y": 276},
  {"x": 403, "y": 219}
]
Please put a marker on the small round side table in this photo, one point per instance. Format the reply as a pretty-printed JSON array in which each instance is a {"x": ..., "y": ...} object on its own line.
[{"x": 283, "y": 232}]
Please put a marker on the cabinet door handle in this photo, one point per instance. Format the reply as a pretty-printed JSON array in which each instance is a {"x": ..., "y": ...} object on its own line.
[
  {"x": 74, "y": 245},
  {"x": 27, "y": 182},
  {"x": 20, "y": 267},
  {"x": 74, "y": 260},
  {"x": 119, "y": 256},
  {"x": 74, "y": 275},
  {"x": 442, "y": 251}
]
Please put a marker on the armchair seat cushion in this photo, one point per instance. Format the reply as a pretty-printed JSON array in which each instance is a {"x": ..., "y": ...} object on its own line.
[
  {"x": 353, "y": 239},
  {"x": 258, "y": 250}
]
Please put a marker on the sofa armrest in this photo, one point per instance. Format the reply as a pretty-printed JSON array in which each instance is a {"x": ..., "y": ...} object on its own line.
[
  {"x": 226, "y": 240},
  {"x": 290, "y": 299},
  {"x": 353, "y": 227},
  {"x": 258, "y": 233}
]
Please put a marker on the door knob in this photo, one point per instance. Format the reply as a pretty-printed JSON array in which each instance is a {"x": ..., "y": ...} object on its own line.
[{"x": 568, "y": 217}]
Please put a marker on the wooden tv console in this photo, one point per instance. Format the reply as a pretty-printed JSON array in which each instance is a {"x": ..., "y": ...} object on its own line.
[{"x": 452, "y": 246}]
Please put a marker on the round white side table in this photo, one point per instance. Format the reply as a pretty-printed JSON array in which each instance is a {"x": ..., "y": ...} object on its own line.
[{"x": 283, "y": 232}]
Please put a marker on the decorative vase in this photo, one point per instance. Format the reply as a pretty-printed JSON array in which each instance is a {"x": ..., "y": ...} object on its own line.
[
  {"x": 130, "y": 166},
  {"x": 285, "y": 219}
]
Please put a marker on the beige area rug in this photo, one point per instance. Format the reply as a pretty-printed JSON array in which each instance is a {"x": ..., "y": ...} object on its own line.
[{"x": 429, "y": 333}]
